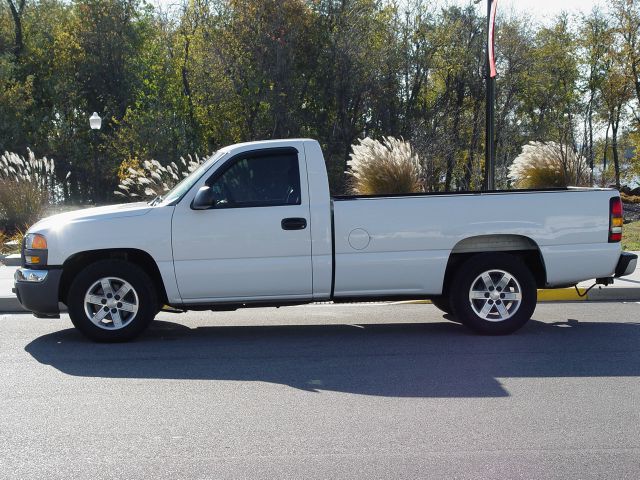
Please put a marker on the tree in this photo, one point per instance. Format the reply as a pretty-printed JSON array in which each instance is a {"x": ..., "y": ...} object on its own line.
[
  {"x": 595, "y": 40},
  {"x": 627, "y": 16},
  {"x": 616, "y": 93}
]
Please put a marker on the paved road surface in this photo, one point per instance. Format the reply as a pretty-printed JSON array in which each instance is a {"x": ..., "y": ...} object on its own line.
[{"x": 375, "y": 391}]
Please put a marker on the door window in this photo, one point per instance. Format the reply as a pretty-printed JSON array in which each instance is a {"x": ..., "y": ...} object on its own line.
[{"x": 259, "y": 181}]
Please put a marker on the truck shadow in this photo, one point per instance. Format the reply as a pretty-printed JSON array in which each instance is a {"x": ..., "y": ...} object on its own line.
[{"x": 396, "y": 360}]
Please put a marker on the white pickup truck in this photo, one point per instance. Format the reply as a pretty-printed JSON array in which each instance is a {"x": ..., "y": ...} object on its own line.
[{"x": 255, "y": 225}]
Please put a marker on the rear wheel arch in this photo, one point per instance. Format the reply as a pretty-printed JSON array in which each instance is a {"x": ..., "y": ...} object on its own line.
[
  {"x": 518, "y": 245},
  {"x": 79, "y": 261}
]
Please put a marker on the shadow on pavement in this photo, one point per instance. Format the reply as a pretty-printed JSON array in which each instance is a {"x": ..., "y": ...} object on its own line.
[{"x": 398, "y": 360}]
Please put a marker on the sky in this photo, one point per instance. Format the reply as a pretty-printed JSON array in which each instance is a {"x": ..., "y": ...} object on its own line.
[
  {"x": 546, "y": 9},
  {"x": 541, "y": 10}
]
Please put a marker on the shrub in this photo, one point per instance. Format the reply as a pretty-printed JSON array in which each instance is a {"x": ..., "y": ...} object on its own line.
[
  {"x": 548, "y": 164},
  {"x": 149, "y": 179},
  {"x": 16, "y": 241},
  {"x": 25, "y": 186},
  {"x": 390, "y": 166},
  {"x": 21, "y": 203},
  {"x": 629, "y": 198}
]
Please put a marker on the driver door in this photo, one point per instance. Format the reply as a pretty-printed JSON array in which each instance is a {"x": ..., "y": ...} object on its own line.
[{"x": 254, "y": 242}]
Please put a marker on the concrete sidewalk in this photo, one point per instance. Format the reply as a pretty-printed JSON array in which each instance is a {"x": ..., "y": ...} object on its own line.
[
  {"x": 8, "y": 301},
  {"x": 624, "y": 289}
]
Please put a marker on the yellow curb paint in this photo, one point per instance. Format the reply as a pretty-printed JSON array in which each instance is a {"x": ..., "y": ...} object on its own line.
[
  {"x": 561, "y": 295},
  {"x": 545, "y": 295},
  {"x": 412, "y": 302}
]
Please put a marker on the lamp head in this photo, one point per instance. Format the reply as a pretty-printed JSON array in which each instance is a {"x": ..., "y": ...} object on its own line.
[{"x": 95, "y": 122}]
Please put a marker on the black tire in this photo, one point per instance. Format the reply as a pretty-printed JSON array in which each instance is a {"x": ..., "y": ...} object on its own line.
[
  {"x": 142, "y": 295},
  {"x": 468, "y": 277},
  {"x": 443, "y": 303}
]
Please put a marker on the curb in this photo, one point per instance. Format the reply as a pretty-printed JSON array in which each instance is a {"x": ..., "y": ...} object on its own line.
[
  {"x": 600, "y": 294},
  {"x": 596, "y": 294},
  {"x": 563, "y": 295},
  {"x": 11, "y": 305},
  {"x": 610, "y": 294},
  {"x": 13, "y": 260}
]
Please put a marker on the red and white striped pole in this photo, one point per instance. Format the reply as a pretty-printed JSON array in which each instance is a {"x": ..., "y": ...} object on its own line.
[
  {"x": 489, "y": 169},
  {"x": 493, "y": 5}
]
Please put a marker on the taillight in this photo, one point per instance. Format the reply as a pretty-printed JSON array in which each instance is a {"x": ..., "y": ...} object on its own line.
[{"x": 615, "y": 220}]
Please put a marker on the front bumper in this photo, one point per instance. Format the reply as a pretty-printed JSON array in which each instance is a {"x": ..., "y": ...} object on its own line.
[
  {"x": 37, "y": 290},
  {"x": 626, "y": 264}
]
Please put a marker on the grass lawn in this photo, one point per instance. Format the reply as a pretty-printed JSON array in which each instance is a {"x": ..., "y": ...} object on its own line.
[{"x": 631, "y": 236}]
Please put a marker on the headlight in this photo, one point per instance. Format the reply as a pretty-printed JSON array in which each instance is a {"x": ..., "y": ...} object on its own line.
[{"x": 35, "y": 241}]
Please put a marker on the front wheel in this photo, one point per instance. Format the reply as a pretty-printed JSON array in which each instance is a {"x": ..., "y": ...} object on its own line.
[
  {"x": 493, "y": 294},
  {"x": 112, "y": 301}
]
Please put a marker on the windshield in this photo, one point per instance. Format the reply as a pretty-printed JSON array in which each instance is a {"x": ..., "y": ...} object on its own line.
[{"x": 177, "y": 192}]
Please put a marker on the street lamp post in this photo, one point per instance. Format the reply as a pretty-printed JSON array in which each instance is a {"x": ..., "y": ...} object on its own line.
[
  {"x": 490, "y": 76},
  {"x": 95, "y": 122}
]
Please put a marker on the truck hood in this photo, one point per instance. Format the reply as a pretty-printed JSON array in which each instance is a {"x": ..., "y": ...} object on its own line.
[{"x": 56, "y": 222}]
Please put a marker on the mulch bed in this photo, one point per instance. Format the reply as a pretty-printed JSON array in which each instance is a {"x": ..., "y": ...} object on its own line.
[{"x": 631, "y": 212}]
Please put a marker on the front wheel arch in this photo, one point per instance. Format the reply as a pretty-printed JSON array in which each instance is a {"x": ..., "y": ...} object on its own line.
[{"x": 80, "y": 260}]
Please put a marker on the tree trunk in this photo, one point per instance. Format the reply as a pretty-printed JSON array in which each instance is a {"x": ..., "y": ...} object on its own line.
[
  {"x": 16, "y": 14},
  {"x": 453, "y": 148},
  {"x": 604, "y": 157},
  {"x": 186, "y": 90},
  {"x": 475, "y": 136},
  {"x": 614, "y": 146}
]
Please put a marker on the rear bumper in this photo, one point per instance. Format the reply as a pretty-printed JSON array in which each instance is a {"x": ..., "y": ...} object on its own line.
[
  {"x": 626, "y": 264},
  {"x": 37, "y": 290}
]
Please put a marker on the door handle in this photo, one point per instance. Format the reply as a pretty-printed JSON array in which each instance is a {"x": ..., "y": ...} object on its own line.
[{"x": 294, "y": 223}]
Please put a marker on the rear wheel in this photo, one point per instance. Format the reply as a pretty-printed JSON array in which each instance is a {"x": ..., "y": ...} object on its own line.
[
  {"x": 493, "y": 293},
  {"x": 112, "y": 301}
]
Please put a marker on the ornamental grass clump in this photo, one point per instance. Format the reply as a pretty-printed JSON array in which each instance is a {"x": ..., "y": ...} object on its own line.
[
  {"x": 548, "y": 165},
  {"x": 386, "y": 167},
  {"x": 25, "y": 186},
  {"x": 141, "y": 181}
]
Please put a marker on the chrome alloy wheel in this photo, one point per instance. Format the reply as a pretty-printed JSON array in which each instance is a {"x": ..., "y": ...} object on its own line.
[
  {"x": 495, "y": 295},
  {"x": 111, "y": 303}
]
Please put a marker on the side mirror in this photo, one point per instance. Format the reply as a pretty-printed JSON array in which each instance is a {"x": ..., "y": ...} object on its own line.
[{"x": 204, "y": 199}]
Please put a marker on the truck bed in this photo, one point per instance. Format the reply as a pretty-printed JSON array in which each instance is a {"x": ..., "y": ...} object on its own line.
[{"x": 409, "y": 238}]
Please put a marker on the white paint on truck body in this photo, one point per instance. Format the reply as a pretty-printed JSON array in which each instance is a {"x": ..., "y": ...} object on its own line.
[
  {"x": 413, "y": 236},
  {"x": 400, "y": 245}
]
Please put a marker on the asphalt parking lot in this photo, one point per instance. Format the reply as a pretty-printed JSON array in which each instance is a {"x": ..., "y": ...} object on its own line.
[{"x": 354, "y": 391}]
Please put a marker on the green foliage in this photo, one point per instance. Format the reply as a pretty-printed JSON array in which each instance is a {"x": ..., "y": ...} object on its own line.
[
  {"x": 16, "y": 100},
  {"x": 631, "y": 236},
  {"x": 222, "y": 71}
]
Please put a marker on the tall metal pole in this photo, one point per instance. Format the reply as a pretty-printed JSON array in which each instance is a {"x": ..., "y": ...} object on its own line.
[{"x": 489, "y": 166}]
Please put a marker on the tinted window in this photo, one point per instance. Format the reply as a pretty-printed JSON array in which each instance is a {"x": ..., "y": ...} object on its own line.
[{"x": 259, "y": 181}]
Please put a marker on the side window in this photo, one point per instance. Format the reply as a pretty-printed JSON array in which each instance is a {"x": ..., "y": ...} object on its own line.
[{"x": 259, "y": 181}]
